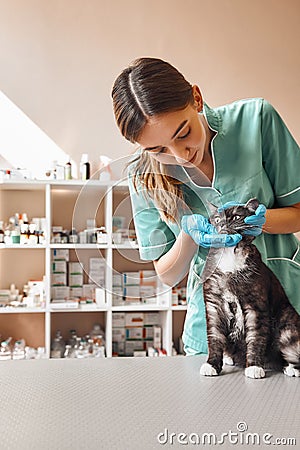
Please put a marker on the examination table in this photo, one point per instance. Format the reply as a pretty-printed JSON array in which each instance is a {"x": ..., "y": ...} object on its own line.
[{"x": 143, "y": 403}]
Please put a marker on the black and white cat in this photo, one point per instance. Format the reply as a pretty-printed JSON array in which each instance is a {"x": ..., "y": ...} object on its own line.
[{"x": 249, "y": 317}]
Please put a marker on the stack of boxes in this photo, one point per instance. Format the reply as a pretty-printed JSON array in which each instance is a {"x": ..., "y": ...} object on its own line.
[
  {"x": 67, "y": 280},
  {"x": 134, "y": 287},
  {"x": 97, "y": 271},
  {"x": 75, "y": 277},
  {"x": 60, "y": 290},
  {"x": 133, "y": 334}
]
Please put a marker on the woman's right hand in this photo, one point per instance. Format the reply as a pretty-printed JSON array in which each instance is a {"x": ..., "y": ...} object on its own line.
[{"x": 205, "y": 235}]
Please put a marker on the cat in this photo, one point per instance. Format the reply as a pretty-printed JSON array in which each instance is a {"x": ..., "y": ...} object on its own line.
[{"x": 249, "y": 317}]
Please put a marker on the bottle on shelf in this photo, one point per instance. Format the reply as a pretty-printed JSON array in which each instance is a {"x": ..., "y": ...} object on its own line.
[
  {"x": 68, "y": 170},
  {"x": 1, "y": 233},
  {"x": 19, "y": 350},
  {"x": 102, "y": 237},
  {"x": 24, "y": 233},
  {"x": 82, "y": 351},
  {"x": 40, "y": 353},
  {"x": 73, "y": 236},
  {"x": 58, "y": 346},
  {"x": 97, "y": 335},
  {"x": 32, "y": 236},
  {"x": 85, "y": 167},
  {"x": 53, "y": 172},
  {"x": 73, "y": 336},
  {"x": 5, "y": 349},
  {"x": 69, "y": 351}
]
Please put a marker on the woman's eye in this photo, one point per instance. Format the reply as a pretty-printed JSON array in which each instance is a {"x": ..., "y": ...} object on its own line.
[
  {"x": 183, "y": 136},
  {"x": 157, "y": 151},
  {"x": 161, "y": 150}
]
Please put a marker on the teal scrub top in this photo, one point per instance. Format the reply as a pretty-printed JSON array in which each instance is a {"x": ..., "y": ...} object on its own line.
[{"x": 254, "y": 155}]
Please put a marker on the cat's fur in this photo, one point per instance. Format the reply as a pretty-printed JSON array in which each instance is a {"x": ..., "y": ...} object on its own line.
[{"x": 249, "y": 317}]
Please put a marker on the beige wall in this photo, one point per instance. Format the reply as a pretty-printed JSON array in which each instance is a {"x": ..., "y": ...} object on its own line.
[{"x": 59, "y": 58}]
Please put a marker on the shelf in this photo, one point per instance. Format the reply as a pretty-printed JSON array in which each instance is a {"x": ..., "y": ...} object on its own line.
[
  {"x": 31, "y": 185},
  {"x": 179, "y": 308},
  {"x": 23, "y": 310},
  {"x": 79, "y": 310},
  {"x": 96, "y": 246},
  {"x": 125, "y": 246},
  {"x": 80, "y": 246},
  {"x": 57, "y": 184},
  {"x": 140, "y": 308},
  {"x": 22, "y": 246},
  {"x": 56, "y": 200}
]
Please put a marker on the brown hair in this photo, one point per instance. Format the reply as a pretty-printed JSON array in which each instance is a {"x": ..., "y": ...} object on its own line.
[{"x": 148, "y": 87}]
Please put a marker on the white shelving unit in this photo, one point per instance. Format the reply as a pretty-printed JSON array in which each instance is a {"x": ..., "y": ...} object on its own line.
[{"x": 74, "y": 201}]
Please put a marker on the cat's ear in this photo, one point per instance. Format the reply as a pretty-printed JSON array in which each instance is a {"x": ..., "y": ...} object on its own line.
[
  {"x": 211, "y": 208},
  {"x": 252, "y": 204}
]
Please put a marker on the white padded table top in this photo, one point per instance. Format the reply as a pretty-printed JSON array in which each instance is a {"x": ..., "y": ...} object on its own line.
[{"x": 125, "y": 403}]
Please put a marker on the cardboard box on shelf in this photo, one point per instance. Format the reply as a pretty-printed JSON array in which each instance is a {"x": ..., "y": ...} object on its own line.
[
  {"x": 75, "y": 268},
  {"x": 156, "y": 336},
  {"x": 97, "y": 277},
  {"x": 148, "y": 333},
  {"x": 132, "y": 291},
  {"x": 76, "y": 280},
  {"x": 76, "y": 292},
  {"x": 118, "y": 319},
  {"x": 131, "y": 279},
  {"x": 134, "y": 333},
  {"x": 118, "y": 334},
  {"x": 151, "y": 318},
  {"x": 97, "y": 263},
  {"x": 131, "y": 346},
  {"x": 117, "y": 280},
  {"x": 60, "y": 292},
  {"x": 134, "y": 319},
  {"x": 59, "y": 267},
  {"x": 59, "y": 254},
  {"x": 58, "y": 279},
  {"x": 100, "y": 297},
  {"x": 89, "y": 291}
]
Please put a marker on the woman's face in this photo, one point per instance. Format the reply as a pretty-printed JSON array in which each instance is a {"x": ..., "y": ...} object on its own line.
[{"x": 177, "y": 137}]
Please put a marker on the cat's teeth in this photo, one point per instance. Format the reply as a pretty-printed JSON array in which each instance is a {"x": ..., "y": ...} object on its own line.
[
  {"x": 255, "y": 372},
  {"x": 208, "y": 370},
  {"x": 290, "y": 371}
]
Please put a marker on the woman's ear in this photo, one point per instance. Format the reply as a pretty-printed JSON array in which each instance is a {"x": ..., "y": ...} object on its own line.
[{"x": 198, "y": 100}]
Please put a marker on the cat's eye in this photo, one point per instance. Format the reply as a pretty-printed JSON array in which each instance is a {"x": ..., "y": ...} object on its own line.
[
  {"x": 217, "y": 219},
  {"x": 237, "y": 217}
]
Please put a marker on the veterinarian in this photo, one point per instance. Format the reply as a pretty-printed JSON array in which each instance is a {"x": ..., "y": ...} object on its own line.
[{"x": 190, "y": 154}]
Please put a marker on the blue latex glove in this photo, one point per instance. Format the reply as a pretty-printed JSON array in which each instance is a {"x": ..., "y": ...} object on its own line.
[
  {"x": 257, "y": 220},
  {"x": 205, "y": 235}
]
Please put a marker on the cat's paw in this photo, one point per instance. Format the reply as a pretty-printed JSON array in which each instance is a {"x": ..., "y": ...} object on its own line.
[
  {"x": 228, "y": 361},
  {"x": 208, "y": 370},
  {"x": 291, "y": 371},
  {"x": 255, "y": 372}
]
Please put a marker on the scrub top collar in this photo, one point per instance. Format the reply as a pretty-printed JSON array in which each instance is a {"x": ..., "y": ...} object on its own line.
[
  {"x": 214, "y": 121},
  {"x": 213, "y": 118}
]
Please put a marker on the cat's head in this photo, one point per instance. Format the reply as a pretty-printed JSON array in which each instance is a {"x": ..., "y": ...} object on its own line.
[{"x": 231, "y": 220}]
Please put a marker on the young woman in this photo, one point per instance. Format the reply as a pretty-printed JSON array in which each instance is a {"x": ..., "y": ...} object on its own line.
[{"x": 190, "y": 154}]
